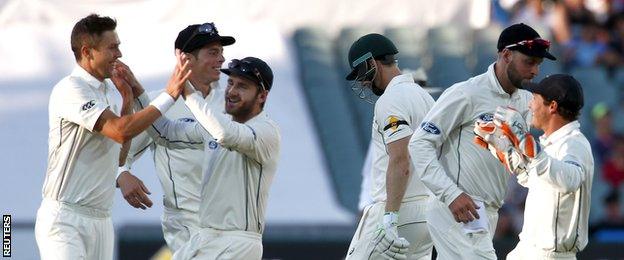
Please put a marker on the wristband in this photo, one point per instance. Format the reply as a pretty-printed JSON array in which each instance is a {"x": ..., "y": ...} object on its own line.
[
  {"x": 163, "y": 102},
  {"x": 122, "y": 169}
]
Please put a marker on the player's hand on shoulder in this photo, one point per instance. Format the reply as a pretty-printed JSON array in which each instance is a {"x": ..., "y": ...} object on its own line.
[
  {"x": 464, "y": 209},
  {"x": 388, "y": 244},
  {"x": 134, "y": 191}
]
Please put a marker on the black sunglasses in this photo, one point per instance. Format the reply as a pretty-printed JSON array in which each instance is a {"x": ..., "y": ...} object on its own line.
[
  {"x": 207, "y": 28},
  {"x": 247, "y": 68}
]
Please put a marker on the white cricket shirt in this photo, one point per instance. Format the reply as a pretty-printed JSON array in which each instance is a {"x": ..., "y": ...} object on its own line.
[{"x": 82, "y": 164}]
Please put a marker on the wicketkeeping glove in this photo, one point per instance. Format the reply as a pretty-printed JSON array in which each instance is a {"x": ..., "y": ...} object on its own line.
[
  {"x": 388, "y": 244},
  {"x": 491, "y": 138},
  {"x": 515, "y": 128}
]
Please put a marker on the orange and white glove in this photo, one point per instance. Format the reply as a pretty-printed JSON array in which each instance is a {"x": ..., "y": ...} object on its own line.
[
  {"x": 513, "y": 125},
  {"x": 491, "y": 138}
]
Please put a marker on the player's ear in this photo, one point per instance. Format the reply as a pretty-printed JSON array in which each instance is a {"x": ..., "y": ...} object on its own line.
[
  {"x": 507, "y": 55},
  {"x": 553, "y": 107},
  {"x": 85, "y": 52}
]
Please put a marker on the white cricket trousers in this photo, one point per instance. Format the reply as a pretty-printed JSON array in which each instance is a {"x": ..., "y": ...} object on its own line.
[
  {"x": 69, "y": 231},
  {"x": 209, "y": 244},
  {"x": 450, "y": 240},
  {"x": 412, "y": 226},
  {"x": 178, "y": 226},
  {"x": 524, "y": 251}
]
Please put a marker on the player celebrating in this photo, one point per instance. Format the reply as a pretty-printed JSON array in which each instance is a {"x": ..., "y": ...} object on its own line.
[
  {"x": 559, "y": 178},
  {"x": 469, "y": 184},
  {"x": 394, "y": 225},
  {"x": 74, "y": 220},
  {"x": 241, "y": 156},
  {"x": 180, "y": 170}
]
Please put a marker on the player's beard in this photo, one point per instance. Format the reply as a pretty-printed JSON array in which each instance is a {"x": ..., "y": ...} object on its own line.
[
  {"x": 514, "y": 76},
  {"x": 245, "y": 108}
]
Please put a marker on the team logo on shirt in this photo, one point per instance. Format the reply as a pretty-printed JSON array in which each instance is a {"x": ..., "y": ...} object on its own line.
[
  {"x": 212, "y": 145},
  {"x": 187, "y": 120},
  {"x": 487, "y": 117},
  {"x": 430, "y": 128},
  {"x": 393, "y": 123},
  {"x": 88, "y": 105}
]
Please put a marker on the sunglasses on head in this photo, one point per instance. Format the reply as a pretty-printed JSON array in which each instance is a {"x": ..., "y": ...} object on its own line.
[
  {"x": 207, "y": 28},
  {"x": 537, "y": 43},
  {"x": 247, "y": 68}
]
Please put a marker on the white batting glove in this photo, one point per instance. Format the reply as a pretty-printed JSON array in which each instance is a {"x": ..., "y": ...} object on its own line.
[
  {"x": 388, "y": 244},
  {"x": 515, "y": 128},
  {"x": 490, "y": 137}
]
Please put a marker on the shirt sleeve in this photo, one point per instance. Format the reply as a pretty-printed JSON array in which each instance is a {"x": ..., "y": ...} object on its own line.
[
  {"x": 392, "y": 119},
  {"x": 140, "y": 144},
  {"x": 174, "y": 134},
  {"x": 568, "y": 173},
  {"x": 447, "y": 114},
  {"x": 79, "y": 104},
  {"x": 259, "y": 141}
]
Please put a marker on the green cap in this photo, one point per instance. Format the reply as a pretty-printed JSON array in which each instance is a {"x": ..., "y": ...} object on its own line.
[{"x": 371, "y": 45}]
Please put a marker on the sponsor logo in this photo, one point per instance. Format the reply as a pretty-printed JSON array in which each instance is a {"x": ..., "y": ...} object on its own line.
[
  {"x": 88, "y": 105},
  {"x": 213, "y": 145},
  {"x": 392, "y": 123},
  {"x": 430, "y": 128},
  {"x": 488, "y": 117}
]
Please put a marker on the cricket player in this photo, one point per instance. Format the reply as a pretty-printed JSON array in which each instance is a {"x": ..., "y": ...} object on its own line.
[
  {"x": 86, "y": 130},
  {"x": 420, "y": 77},
  {"x": 468, "y": 182},
  {"x": 558, "y": 172},
  {"x": 180, "y": 170},
  {"x": 394, "y": 225},
  {"x": 240, "y": 161}
]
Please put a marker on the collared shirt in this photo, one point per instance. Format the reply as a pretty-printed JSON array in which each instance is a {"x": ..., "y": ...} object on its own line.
[
  {"x": 442, "y": 149},
  {"x": 240, "y": 161},
  {"x": 556, "y": 214},
  {"x": 81, "y": 163},
  {"x": 178, "y": 170},
  {"x": 398, "y": 112}
]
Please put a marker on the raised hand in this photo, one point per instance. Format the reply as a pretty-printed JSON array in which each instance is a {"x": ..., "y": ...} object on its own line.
[
  {"x": 126, "y": 73},
  {"x": 119, "y": 79},
  {"x": 491, "y": 138},
  {"x": 513, "y": 125},
  {"x": 181, "y": 74}
]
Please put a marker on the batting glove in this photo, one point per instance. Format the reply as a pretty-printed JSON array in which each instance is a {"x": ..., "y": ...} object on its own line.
[
  {"x": 388, "y": 244},
  {"x": 492, "y": 139},
  {"x": 515, "y": 128}
]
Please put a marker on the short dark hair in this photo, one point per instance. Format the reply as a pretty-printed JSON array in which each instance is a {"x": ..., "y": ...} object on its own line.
[
  {"x": 388, "y": 59},
  {"x": 88, "y": 30},
  {"x": 567, "y": 114}
]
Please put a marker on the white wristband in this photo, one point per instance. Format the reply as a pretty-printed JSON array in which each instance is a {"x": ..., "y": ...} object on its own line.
[
  {"x": 163, "y": 102},
  {"x": 120, "y": 170}
]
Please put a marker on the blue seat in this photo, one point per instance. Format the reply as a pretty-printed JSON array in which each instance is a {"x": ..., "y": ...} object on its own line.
[
  {"x": 448, "y": 47},
  {"x": 334, "y": 120}
]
